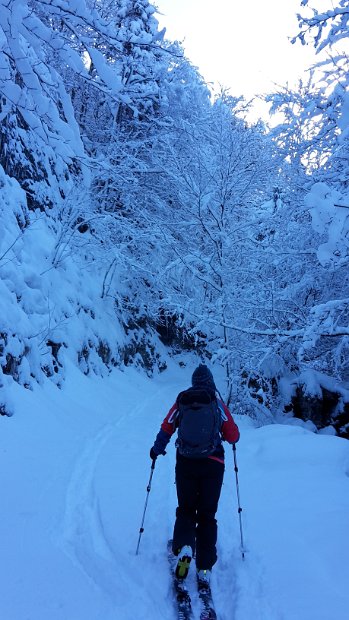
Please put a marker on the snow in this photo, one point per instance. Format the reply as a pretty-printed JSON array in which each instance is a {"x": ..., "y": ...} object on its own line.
[
  {"x": 330, "y": 219},
  {"x": 74, "y": 461},
  {"x": 74, "y": 468},
  {"x": 46, "y": 295},
  {"x": 105, "y": 72},
  {"x": 343, "y": 121}
]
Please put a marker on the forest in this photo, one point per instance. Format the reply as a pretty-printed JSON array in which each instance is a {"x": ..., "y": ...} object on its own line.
[{"x": 143, "y": 213}]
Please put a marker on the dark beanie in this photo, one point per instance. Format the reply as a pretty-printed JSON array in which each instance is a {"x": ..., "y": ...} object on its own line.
[{"x": 202, "y": 378}]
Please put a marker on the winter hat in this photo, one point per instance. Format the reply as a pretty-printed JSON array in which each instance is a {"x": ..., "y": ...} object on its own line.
[{"x": 202, "y": 378}]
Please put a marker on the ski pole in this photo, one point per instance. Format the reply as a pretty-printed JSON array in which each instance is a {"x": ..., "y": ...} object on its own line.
[
  {"x": 141, "y": 529},
  {"x": 239, "y": 506}
]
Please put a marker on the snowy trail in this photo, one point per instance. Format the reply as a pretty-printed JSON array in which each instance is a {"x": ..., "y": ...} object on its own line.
[
  {"x": 91, "y": 519},
  {"x": 92, "y": 528},
  {"x": 82, "y": 532},
  {"x": 74, "y": 471},
  {"x": 240, "y": 584}
]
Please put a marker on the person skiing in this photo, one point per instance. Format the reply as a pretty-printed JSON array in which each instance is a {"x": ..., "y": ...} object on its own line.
[{"x": 199, "y": 469}]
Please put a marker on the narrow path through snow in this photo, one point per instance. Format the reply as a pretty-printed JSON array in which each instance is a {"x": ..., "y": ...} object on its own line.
[
  {"x": 74, "y": 471},
  {"x": 104, "y": 506}
]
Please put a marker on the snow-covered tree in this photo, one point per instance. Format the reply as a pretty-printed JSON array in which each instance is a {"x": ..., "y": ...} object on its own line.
[
  {"x": 325, "y": 338},
  {"x": 328, "y": 31},
  {"x": 48, "y": 50},
  {"x": 303, "y": 139},
  {"x": 218, "y": 172}
]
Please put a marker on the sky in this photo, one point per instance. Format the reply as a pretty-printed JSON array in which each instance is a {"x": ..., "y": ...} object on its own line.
[{"x": 243, "y": 46}]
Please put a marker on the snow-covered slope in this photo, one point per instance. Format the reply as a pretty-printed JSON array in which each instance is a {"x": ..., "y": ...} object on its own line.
[
  {"x": 53, "y": 306},
  {"x": 74, "y": 467},
  {"x": 50, "y": 296}
]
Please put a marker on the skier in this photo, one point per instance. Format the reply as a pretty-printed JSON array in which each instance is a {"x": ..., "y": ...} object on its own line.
[{"x": 198, "y": 478}]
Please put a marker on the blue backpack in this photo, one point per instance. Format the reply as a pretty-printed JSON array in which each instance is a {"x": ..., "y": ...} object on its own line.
[{"x": 199, "y": 424}]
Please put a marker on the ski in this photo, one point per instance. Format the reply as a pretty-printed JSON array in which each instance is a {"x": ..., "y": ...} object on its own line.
[
  {"x": 181, "y": 593},
  {"x": 205, "y": 595}
]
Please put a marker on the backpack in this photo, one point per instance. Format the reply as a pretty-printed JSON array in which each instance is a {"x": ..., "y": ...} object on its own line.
[{"x": 199, "y": 424}]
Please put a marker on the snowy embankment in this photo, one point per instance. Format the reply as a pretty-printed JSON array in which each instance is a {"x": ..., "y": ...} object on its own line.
[{"x": 74, "y": 467}]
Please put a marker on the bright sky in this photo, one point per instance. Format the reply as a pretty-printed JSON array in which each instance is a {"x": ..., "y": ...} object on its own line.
[{"x": 241, "y": 45}]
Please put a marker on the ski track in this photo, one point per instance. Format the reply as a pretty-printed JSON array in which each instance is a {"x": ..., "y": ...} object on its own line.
[
  {"x": 239, "y": 588},
  {"x": 82, "y": 532},
  {"x": 251, "y": 601},
  {"x": 238, "y": 585},
  {"x": 82, "y": 535}
]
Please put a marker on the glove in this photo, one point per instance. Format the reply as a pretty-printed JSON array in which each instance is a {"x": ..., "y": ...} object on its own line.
[{"x": 153, "y": 454}]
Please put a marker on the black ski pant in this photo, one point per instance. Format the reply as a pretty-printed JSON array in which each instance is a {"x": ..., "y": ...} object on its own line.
[{"x": 199, "y": 483}]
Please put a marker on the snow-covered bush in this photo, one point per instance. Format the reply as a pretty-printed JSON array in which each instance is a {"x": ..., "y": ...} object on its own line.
[{"x": 51, "y": 303}]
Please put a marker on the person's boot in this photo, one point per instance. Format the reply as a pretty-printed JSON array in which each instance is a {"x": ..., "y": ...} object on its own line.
[
  {"x": 204, "y": 578},
  {"x": 184, "y": 558}
]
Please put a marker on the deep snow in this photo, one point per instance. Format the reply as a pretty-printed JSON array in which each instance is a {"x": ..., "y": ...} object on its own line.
[{"x": 74, "y": 467}]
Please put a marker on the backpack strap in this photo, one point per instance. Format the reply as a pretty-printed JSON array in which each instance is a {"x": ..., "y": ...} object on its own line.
[{"x": 222, "y": 412}]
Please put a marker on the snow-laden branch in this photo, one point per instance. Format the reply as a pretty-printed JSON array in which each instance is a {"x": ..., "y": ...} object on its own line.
[{"x": 335, "y": 19}]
